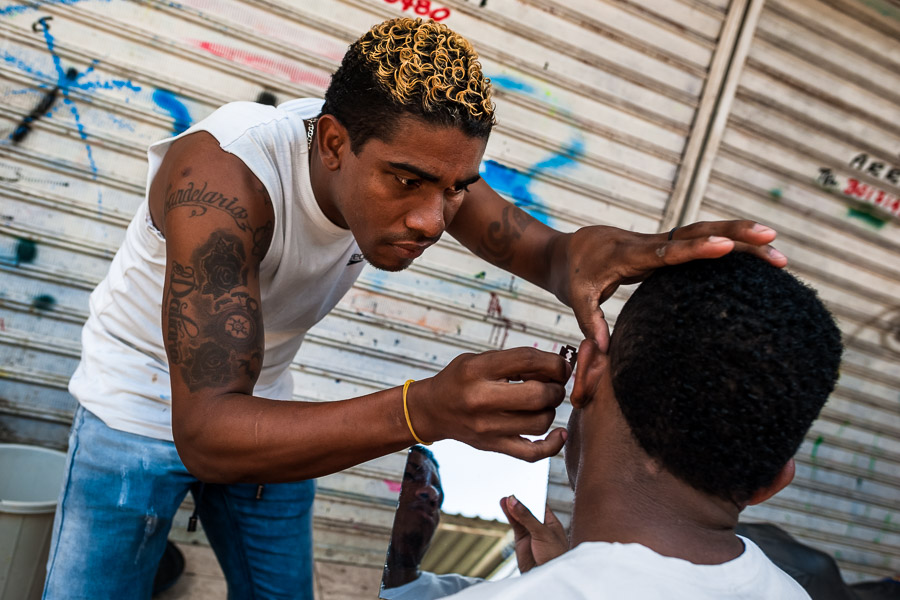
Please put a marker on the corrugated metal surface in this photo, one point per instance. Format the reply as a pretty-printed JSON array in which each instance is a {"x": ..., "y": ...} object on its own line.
[
  {"x": 820, "y": 89},
  {"x": 468, "y": 546},
  {"x": 604, "y": 109}
]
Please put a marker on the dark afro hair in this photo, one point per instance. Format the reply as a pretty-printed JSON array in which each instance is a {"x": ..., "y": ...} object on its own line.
[
  {"x": 426, "y": 453},
  {"x": 720, "y": 367}
]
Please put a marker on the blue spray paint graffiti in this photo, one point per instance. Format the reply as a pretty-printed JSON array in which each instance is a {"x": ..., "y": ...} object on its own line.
[
  {"x": 67, "y": 80},
  {"x": 517, "y": 184},
  {"x": 43, "y": 108},
  {"x": 170, "y": 103},
  {"x": 43, "y": 302},
  {"x": 511, "y": 83},
  {"x": 9, "y": 11},
  {"x": 25, "y": 253}
]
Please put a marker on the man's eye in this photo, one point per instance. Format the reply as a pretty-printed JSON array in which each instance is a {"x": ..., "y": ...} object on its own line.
[
  {"x": 413, "y": 476},
  {"x": 459, "y": 190},
  {"x": 407, "y": 181}
]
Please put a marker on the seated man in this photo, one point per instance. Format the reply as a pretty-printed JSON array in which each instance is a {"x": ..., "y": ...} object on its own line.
[
  {"x": 416, "y": 521},
  {"x": 715, "y": 372}
]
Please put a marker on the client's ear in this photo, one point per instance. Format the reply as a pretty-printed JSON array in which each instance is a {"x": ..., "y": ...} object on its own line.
[
  {"x": 592, "y": 364},
  {"x": 784, "y": 477}
]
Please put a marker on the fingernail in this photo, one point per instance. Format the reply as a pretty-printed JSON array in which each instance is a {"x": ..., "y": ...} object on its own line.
[
  {"x": 760, "y": 228},
  {"x": 565, "y": 435},
  {"x": 511, "y": 501},
  {"x": 773, "y": 253},
  {"x": 715, "y": 239}
]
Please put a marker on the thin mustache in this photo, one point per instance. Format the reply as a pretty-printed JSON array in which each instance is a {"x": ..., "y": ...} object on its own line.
[
  {"x": 427, "y": 506},
  {"x": 416, "y": 240}
]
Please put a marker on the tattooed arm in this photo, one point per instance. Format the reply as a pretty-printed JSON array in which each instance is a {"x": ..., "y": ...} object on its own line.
[
  {"x": 505, "y": 235},
  {"x": 585, "y": 267},
  {"x": 217, "y": 220}
]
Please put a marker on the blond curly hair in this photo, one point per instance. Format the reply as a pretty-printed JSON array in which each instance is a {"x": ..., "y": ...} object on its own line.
[
  {"x": 427, "y": 62},
  {"x": 412, "y": 66}
]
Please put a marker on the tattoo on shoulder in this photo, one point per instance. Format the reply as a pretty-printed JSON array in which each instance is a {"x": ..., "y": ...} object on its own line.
[
  {"x": 261, "y": 238},
  {"x": 497, "y": 244},
  {"x": 180, "y": 326},
  {"x": 227, "y": 340},
  {"x": 200, "y": 199}
]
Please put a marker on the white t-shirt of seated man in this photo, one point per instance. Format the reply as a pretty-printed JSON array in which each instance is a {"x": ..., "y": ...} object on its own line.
[
  {"x": 429, "y": 586},
  {"x": 607, "y": 571}
]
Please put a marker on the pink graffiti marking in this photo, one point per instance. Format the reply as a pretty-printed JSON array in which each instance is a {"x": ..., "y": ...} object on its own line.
[
  {"x": 272, "y": 26},
  {"x": 266, "y": 64}
]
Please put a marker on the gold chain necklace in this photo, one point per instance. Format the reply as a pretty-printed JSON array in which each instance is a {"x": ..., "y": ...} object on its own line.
[{"x": 310, "y": 129}]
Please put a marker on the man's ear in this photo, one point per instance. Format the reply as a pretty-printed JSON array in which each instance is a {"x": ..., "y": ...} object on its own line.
[
  {"x": 332, "y": 141},
  {"x": 784, "y": 477},
  {"x": 592, "y": 364}
]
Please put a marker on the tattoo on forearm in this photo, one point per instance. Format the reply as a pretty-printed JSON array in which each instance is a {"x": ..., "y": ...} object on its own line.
[
  {"x": 497, "y": 245},
  {"x": 226, "y": 341}
]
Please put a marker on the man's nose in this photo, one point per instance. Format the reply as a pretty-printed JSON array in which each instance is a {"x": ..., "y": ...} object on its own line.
[
  {"x": 427, "y": 218},
  {"x": 428, "y": 494}
]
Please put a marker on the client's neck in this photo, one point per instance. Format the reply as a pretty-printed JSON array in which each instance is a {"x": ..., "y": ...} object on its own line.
[{"x": 621, "y": 495}]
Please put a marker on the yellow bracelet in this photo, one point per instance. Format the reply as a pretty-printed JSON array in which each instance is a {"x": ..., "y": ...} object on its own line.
[{"x": 406, "y": 412}]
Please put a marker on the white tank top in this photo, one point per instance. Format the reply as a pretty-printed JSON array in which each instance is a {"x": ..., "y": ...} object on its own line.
[{"x": 123, "y": 376}]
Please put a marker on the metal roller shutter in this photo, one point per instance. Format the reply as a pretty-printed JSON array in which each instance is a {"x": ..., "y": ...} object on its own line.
[
  {"x": 813, "y": 109},
  {"x": 605, "y": 110}
]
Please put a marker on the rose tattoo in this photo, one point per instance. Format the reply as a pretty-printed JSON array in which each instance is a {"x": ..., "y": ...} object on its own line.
[{"x": 222, "y": 265}]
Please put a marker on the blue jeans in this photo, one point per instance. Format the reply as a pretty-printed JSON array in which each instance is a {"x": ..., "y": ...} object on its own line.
[{"x": 115, "y": 510}]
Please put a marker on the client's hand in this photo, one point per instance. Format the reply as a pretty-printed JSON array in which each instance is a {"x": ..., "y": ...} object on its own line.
[{"x": 536, "y": 542}]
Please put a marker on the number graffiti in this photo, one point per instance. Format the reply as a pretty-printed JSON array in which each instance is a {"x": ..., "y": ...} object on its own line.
[
  {"x": 873, "y": 195},
  {"x": 423, "y": 8},
  {"x": 857, "y": 189}
]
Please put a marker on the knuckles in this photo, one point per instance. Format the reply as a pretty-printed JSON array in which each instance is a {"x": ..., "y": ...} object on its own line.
[
  {"x": 531, "y": 360},
  {"x": 554, "y": 394},
  {"x": 481, "y": 426},
  {"x": 538, "y": 396},
  {"x": 467, "y": 366},
  {"x": 540, "y": 423}
]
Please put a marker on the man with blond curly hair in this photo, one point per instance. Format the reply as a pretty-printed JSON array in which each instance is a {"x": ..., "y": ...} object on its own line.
[{"x": 257, "y": 220}]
